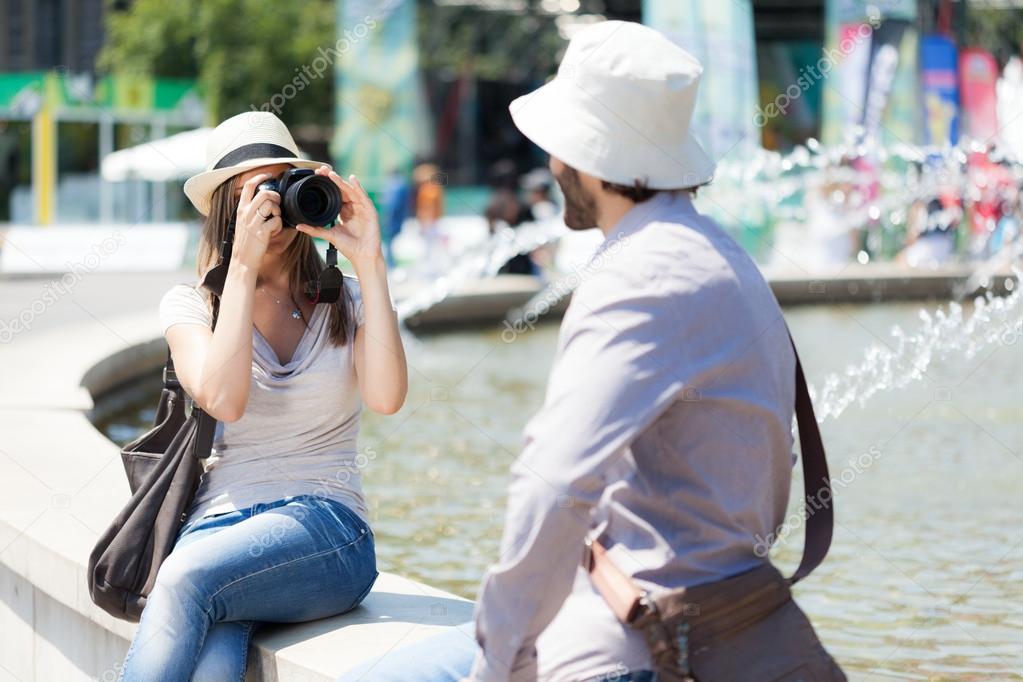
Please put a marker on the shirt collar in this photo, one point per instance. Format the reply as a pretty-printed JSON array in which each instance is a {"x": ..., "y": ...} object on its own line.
[{"x": 649, "y": 211}]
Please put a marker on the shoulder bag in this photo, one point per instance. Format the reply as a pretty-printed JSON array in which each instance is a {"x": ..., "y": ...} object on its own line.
[{"x": 163, "y": 470}]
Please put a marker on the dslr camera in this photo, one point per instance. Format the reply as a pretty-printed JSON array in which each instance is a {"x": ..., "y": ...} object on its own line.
[{"x": 306, "y": 197}]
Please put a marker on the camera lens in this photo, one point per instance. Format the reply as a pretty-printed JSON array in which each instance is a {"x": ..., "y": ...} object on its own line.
[{"x": 314, "y": 200}]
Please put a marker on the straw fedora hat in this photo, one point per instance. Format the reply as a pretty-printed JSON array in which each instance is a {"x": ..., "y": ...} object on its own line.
[
  {"x": 620, "y": 108},
  {"x": 242, "y": 142}
]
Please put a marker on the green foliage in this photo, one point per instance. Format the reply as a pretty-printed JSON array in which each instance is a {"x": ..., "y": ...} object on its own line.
[
  {"x": 154, "y": 38},
  {"x": 1000, "y": 31},
  {"x": 491, "y": 45},
  {"x": 243, "y": 52}
]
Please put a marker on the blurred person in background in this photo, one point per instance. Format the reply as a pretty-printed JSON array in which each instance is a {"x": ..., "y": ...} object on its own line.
[
  {"x": 537, "y": 184},
  {"x": 506, "y": 208},
  {"x": 931, "y": 229},
  {"x": 397, "y": 202},
  {"x": 1008, "y": 227},
  {"x": 429, "y": 204}
]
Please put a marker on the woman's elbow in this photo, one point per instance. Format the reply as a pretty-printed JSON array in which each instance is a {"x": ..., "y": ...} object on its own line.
[
  {"x": 225, "y": 410},
  {"x": 228, "y": 417},
  {"x": 385, "y": 405}
]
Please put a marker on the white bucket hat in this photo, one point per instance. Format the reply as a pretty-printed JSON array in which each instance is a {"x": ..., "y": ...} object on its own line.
[
  {"x": 620, "y": 108},
  {"x": 243, "y": 142}
]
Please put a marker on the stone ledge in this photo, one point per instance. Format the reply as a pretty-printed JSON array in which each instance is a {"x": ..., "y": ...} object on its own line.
[{"x": 64, "y": 483}]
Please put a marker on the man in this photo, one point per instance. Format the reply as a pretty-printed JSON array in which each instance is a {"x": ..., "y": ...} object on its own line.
[{"x": 666, "y": 428}]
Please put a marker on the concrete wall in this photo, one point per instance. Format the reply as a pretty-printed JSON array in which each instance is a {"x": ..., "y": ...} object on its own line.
[{"x": 62, "y": 484}]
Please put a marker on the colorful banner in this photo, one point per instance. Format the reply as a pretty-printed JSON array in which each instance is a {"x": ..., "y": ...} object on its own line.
[
  {"x": 883, "y": 68},
  {"x": 939, "y": 61},
  {"x": 789, "y": 80},
  {"x": 978, "y": 74},
  {"x": 848, "y": 54},
  {"x": 847, "y": 11},
  {"x": 720, "y": 35},
  {"x": 872, "y": 47},
  {"x": 379, "y": 117},
  {"x": 903, "y": 118}
]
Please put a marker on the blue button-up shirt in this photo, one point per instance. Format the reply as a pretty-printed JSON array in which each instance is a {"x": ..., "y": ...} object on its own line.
[{"x": 667, "y": 427}]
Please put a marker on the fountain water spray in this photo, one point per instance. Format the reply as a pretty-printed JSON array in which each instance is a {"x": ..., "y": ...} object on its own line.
[
  {"x": 994, "y": 321},
  {"x": 482, "y": 261}
]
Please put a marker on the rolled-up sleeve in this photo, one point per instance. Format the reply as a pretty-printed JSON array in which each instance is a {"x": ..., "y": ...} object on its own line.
[{"x": 616, "y": 371}]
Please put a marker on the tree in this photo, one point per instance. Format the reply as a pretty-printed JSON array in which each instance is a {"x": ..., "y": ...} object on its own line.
[
  {"x": 511, "y": 46},
  {"x": 245, "y": 53},
  {"x": 998, "y": 30}
]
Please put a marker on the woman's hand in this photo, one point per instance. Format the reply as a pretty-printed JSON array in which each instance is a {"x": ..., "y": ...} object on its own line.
[
  {"x": 379, "y": 356},
  {"x": 357, "y": 232},
  {"x": 257, "y": 220}
]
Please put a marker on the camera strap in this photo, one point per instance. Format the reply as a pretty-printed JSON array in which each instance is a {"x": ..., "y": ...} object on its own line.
[
  {"x": 325, "y": 289},
  {"x": 216, "y": 277}
]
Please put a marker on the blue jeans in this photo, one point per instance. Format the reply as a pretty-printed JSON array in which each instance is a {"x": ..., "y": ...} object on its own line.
[
  {"x": 447, "y": 657},
  {"x": 296, "y": 559}
]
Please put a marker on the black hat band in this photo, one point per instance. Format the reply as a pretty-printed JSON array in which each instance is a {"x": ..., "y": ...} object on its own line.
[{"x": 256, "y": 150}]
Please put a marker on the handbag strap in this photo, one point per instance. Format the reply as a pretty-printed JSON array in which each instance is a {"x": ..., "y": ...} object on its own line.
[
  {"x": 627, "y": 599},
  {"x": 207, "y": 424}
]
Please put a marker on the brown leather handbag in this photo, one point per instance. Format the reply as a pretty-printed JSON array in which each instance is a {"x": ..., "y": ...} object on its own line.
[
  {"x": 163, "y": 472},
  {"x": 746, "y": 627}
]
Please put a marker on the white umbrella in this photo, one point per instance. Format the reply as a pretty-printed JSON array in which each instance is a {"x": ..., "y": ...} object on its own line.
[
  {"x": 172, "y": 158},
  {"x": 177, "y": 157}
]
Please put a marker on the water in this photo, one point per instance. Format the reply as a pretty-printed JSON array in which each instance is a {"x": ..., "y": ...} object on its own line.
[
  {"x": 925, "y": 576},
  {"x": 480, "y": 261},
  {"x": 904, "y": 357}
]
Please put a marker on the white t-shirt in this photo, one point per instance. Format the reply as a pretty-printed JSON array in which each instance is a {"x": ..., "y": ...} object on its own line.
[{"x": 298, "y": 434}]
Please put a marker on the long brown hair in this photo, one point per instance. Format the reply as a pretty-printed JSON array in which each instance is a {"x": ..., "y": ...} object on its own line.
[{"x": 301, "y": 260}]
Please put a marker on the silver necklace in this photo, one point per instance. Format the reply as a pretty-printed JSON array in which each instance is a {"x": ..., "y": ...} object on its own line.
[{"x": 295, "y": 313}]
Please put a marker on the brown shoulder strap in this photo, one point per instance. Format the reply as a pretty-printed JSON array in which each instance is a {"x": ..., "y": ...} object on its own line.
[{"x": 817, "y": 496}]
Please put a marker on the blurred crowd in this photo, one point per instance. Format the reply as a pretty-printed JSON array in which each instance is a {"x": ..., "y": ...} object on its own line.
[
  {"x": 926, "y": 213},
  {"x": 920, "y": 213},
  {"x": 514, "y": 199}
]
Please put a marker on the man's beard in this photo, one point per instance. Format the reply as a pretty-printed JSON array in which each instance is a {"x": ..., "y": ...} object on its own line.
[{"x": 580, "y": 208}]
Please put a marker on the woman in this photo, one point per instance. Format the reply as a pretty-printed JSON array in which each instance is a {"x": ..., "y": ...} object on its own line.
[{"x": 278, "y": 528}]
